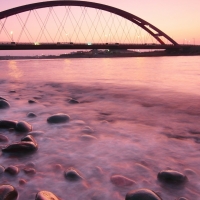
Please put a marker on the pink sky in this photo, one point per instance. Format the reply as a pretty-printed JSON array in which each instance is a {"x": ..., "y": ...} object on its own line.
[{"x": 179, "y": 19}]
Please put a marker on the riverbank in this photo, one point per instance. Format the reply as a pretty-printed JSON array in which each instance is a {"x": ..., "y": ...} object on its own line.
[{"x": 104, "y": 54}]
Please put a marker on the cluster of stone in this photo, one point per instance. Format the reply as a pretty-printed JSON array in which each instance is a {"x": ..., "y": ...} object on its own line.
[
  {"x": 28, "y": 143},
  {"x": 20, "y": 126}
]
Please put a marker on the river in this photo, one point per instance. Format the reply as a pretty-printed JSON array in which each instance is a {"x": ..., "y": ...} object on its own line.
[{"x": 135, "y": 117}]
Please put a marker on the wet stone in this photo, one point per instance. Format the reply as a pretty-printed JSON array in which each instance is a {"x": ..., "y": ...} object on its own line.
[
  {"x": 45, "y": 195},
  {"x": 12, "y": 170},
  {"x": 20, "y": 147},
  {"x": 142, "y": 194},
  {"x": 2, "y": 169},
  {"x": 73, "y": 101},
  {"x": 8, "y": 124},
  {"x": 171, "y": 177},
  {"x": 8, "y": 192},
  {"x": 29, "y": 138},
  {"x": 22, "y": 182},
  {"x": 31, "y": 101},
  {"x": 58, "y": 118},
  {"x": 121, "y": 181},
  {"x": 30, "y": 165},
  {"x": 3, "y": 138},
  {"x": 72, "y": 175},
  {"x": 29, "y": 171},
  {"x": 87, "y": 129},
  {"x": 23, "y": 127},
  {"x": 12, "y": 91},
  {"x": 1, "y": 98},
  {"x": 88, "y": 137},
  {"x": 4, "y": 104},
  {"x": 31, "y": 115}
]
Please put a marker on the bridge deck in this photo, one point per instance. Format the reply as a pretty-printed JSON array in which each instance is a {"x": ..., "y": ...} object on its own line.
[{"x": 32, "y": 46}]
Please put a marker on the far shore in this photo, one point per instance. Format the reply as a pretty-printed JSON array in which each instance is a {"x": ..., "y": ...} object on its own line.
[{"x": 104, "y": 54}]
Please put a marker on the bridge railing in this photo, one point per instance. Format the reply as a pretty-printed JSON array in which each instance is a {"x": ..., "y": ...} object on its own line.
[{"x": 88, "y": 44}]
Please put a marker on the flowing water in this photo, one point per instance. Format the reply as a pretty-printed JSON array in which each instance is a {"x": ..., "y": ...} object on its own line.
[{"x": 136, "y": 117}]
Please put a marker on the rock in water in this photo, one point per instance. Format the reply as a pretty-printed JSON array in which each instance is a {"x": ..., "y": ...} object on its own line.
[
  {"x": 121, "y": 181},
  {"x": 87, "y": 129},
  {"x": 32, "y": 101},
  {"x": 170, "y": 176},
  {"x": 45, "y": 195},
  {"x": 29, "y": 138},
  {"x": 72, "y": 175},
  {"x": 12, "y": 170},
  {"x": 8, "y": 124},
  {"x": 31, "y": 115},
  {"x": 1, "y": 98},
  {"x": 58, "y": 118},
  {"x": 12, "y": 91},
  {"x": 4, "y": 104},
  {"x": 73, "y": 101},
  {"x": 20, "y": 147},
  {"x": 29, "y": 171},
  {"x": 142, "y": 194},
  {"x": 1, "y": 169},
  {"x": 23, "y": 127},
  {"x": 27, "y": 144},
  {"x": 8, "y": 192},
  {"x": 3, "y": 138}
]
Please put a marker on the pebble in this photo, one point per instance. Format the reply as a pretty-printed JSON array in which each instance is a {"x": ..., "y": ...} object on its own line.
[
  {"x": 22, "y": 182},
  {"x": 4, "y": 104},
  {"x": 12, "y": 170},
  {"x": 45, "y": 195},
  {"x": 29, "y": 138},
  {"x": 30, "y": 164},
  {"x": 3, "y": 138},
  {"x": 1, "y": 169},
  {"x": 27, "y": 144},
  {"x": 87, "y": 129},
  {"x": 73, "y": 101},
  {"x": 23, "y": 127},
  {"x": 29, "y": 171},
  {"x": 31, "y": 115},
  {"x": 12, "y": 91},
  {"x": 57, "y": 167},
  {"x": 171, "y": 176},
  {"x": 142, "y": 194},
  {"x": 121, "y": 181},
  {"x": 8, "y": 192},
  {"x": 58, "y": 118},
  {"x": 8, "y": 124},
  {"x": 72, "y": 175},
  {"x": 31, "y": 101},
  {"x": 88, "y": 137}
]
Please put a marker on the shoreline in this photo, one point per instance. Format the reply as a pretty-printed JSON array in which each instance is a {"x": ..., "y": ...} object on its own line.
[{"x": 110, "y": 55}]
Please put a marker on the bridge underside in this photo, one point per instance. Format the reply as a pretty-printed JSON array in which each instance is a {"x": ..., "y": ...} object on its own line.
[{"x": 85, "y": 46}]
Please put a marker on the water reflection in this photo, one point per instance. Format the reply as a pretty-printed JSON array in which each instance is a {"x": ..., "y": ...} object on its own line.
[{"x": 14, "y": 71}]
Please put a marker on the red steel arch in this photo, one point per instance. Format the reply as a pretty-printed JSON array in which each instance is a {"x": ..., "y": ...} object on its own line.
[{"x": 152, "y": 30}]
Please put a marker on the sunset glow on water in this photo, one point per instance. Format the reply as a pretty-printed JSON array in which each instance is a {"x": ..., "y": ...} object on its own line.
[{"x": 135, "y": 117}]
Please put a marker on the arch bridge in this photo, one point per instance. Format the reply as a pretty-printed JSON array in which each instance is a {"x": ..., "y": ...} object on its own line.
[{"x": 78, "y": 25}]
